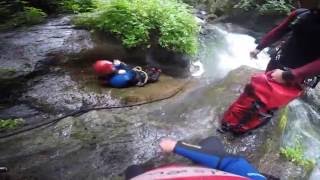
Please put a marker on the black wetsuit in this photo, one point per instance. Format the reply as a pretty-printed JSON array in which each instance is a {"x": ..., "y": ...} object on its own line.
[{"x": 301, "y": 51}]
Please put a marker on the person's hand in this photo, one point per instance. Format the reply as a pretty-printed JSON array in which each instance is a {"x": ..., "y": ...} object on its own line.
[
  {"x": 254, "y": 53},
  {"x": 167, "y": 145},
  {"x": 276, "y": 75}
]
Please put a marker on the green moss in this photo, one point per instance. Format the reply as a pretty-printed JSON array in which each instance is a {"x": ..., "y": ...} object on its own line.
[
  {"x": 283, "y": 119},
  {"x": 83, "y": 135},
  {"x": 10, "y": 123},
  {"x": 7, "y": 71},
  {"x": 145, "y": 23},
  {"x": 295, "y": 154}
]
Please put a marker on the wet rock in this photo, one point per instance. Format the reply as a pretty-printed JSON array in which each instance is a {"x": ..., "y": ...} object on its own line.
[
  {"x": 252, "y": 20},
  {"x": 30, "y": 50},
  {"x": 171, "y": 63},
  {"x": 101, "y": 144},
  {"x": 312, "y": 96},
  {"x": 59, "y": 93},
  {"x": 30, "y": 115}
]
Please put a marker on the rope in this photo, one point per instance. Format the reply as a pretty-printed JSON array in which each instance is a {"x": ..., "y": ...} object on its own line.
[
  {"x": 82, "y": 111},
  {"x": 139, "y": 69}
]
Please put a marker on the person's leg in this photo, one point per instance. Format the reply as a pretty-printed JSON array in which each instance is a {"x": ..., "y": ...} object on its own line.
[{"x": 133, "y": 171}]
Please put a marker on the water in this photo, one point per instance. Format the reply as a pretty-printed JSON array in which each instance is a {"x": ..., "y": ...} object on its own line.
[{"x": 223, "y": 51}]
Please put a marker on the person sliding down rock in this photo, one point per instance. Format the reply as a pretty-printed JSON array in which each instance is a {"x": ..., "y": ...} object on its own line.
[
  {"x": 212, "y": 163},
  {"x": 119, "y": 75}
]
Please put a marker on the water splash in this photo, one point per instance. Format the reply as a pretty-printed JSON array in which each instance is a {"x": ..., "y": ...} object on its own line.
[{"x": 223, "y": 51}]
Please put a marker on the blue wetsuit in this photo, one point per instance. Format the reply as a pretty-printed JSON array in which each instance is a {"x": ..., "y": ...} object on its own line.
[
  {"x": 218, "y": 160},
  {"x": 118, "y": 80},
  {"x": 211, "y": 154}
]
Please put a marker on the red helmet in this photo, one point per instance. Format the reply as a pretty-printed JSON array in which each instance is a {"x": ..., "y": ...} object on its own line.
[{"x": 103, "y": 67}]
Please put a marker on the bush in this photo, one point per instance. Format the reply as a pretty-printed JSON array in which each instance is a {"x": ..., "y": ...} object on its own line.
[
  {"x": 14, "y": 13},
  {"x": 266, "y": 7},
  {"x": 140, "y": 22},
  {"x": 33, "y": 15},
  {"x": 275, "y": 7},
  {"x": 77, "y": 6},
  {"x": 57, "y": 6},
  {"x": 28, "y": 16}
]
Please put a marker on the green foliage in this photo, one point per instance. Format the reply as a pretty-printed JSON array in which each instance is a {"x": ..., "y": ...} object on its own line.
[
  {"x": 296, "y": 155},
  {"x": 78, "y": 6},
  {"x": 216, "y": 7},
  {"x": 10, "y": 123},
  {"x": 246, "y": 5},
  {"x": 28, "y": 16},
  {"x": 14, "y": 13},
  {"x": 266, "y": 7},
  {"x": 275, "y": 7},
  {"x": 33, "y": 15},
  {"x": 142, "y": 22}
]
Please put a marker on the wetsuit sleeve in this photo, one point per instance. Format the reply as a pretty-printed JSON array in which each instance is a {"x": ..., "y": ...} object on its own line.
[
  {"x": 195, "y": 153},
  {"x": 232, "y": 164},
  {"x": 278, "y": 32},
  {"x": 306, "y": 71}
]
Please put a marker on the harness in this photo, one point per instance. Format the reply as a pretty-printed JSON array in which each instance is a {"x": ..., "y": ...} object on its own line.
[{"x": 146, "y": 75}]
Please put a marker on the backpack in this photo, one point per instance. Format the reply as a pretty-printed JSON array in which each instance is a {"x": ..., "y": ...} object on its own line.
[{"x": 256, "y": 104}]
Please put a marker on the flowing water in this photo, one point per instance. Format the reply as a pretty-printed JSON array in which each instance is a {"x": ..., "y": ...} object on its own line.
[{"x": 222, "y": 51}]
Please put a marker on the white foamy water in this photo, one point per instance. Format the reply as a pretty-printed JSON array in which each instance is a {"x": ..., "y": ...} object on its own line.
[{"x": 223, "y": 51}]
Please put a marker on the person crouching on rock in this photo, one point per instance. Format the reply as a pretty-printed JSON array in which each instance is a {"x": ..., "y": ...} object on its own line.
[{"x": 292, "y": 68}]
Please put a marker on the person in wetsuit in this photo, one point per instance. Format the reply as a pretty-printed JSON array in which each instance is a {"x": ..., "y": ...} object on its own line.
[
  {"x": 299, "y": 56},
  {"x": 209, "y": 155}
]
